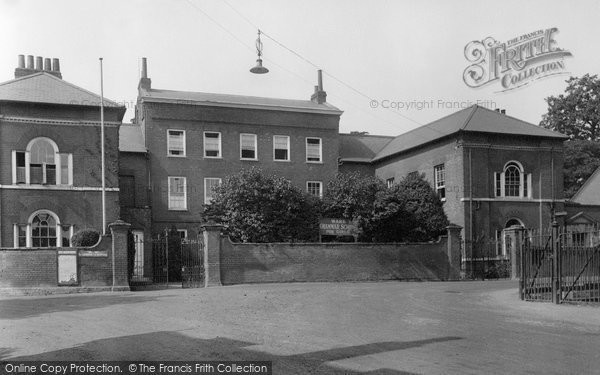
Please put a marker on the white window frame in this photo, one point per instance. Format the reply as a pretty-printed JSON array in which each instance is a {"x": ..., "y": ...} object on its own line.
[
  {"x": 308, "y": 190},
  {"x": 206, "y": 197},
  {"x": 320, "y": 150},
  {"x": 524, "y": 178},
  {"x": 255, "y": 146},
  {"x": 436, "y": 179},
  {"x": 169, "y": 143},
  {"x": 57, "y": 165},
  {"x": 170, "y": 208},
  {"x": 289, "y": 152},
  {"x": 28, "y": 230},
  {"x": 220, "y": 156}
]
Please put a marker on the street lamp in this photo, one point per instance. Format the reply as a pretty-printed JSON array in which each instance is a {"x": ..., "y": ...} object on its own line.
[{"x": 259, "y": 68}]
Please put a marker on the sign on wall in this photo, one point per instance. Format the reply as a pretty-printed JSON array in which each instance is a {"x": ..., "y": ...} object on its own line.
[
  {"x": 67, "y": 267},
  {"x": 338, "y": 227}
]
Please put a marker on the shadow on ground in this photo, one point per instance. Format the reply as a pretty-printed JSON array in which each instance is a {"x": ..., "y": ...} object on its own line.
[
  {"x": 5, "y": 353},
  {"x": 175, "y": 346},
  {"x": 21, "y": 308}
]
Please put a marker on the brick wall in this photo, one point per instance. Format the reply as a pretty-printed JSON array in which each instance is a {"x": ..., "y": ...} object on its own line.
[
  {"x": 78, "y": 208},
  {"x": 288, "y": 262},
  {"x": 28, "y": 268},
  {"x": 24, "y": 271}
]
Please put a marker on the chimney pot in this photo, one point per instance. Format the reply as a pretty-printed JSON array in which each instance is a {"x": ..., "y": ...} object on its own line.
[
  {"x": 39, "y": 63},
  {"x": 29, "y": 62},
  {"x": 55, "y": 65},
  {"x": 320, "y": 75},
  {"x": 47, "y": 64},
  {"x": 22, "y": 61},
  {"x": 503, "y": 111},
  {"x": 144, "y": 68}
]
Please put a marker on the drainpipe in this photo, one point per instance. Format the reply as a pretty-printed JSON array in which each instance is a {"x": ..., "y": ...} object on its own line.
[{"x": 471, "y": 200}]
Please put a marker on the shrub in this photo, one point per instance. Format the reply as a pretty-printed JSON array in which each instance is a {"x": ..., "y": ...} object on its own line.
[{"x": 85, "y": 238}]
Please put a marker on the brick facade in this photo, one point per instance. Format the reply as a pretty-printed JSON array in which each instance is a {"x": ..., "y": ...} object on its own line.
[{"x": 230, "y": 116}]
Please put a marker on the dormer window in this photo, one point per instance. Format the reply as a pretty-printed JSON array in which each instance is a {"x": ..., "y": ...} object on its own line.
[{"x": 513, "y": 182}]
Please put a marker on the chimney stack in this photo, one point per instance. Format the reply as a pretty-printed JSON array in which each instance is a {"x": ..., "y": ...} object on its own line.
[
  {"x": 55, "y": 65},
  {"x": 503, "y": 111},
  {"x": 319, "y": 96},
  {"x": 145, "y": 82},
  {"x": 50, "y": 66}
]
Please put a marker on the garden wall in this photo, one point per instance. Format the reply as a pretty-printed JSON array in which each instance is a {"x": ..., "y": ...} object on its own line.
[
  {"x": 240, "y": 263},
  {"x": 36, "y": 270}
]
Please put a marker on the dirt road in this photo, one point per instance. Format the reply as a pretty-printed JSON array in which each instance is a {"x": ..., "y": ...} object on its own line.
[{"x": 353, "y": 328}]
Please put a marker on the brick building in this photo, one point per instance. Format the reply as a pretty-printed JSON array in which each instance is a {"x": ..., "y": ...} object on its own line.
[
  {"x": 189, "y": 141},
  {"x": 50, "y": 166},
  {"x": 492, "y": 170}
]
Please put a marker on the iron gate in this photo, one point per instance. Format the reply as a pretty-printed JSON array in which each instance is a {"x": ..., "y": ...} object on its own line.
[
  {"x": 561, "y": 264},
  {"x": 485, "y": 258},
  {"x": 168, "y": 261}
]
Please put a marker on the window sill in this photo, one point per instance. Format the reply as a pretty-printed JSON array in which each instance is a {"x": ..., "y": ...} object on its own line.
[
  {"x": 178, "y": 209},
  {"x": 314, "y": 162},
  {"x": 282, "y": 161},
  {"x": 213, "y": 157},
  {"x": 244, "y": 159},
  {"x": 176, "y": 156}
]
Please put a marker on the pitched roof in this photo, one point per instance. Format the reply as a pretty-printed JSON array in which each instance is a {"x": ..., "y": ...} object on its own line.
[
  {"x": 45, "y": 88},
  {"x": 472, "y": 119},
  {"x": 236, "y": 101},
  {"x": 361, "y": 148},
  {"x": 131, "y": 138},
  {"x": 589, "y": 192}
]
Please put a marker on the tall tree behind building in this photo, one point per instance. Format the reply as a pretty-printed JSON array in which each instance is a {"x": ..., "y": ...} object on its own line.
[{"x": 576, "y": 113}]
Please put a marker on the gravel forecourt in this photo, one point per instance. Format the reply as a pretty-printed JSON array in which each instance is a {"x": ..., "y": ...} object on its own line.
[{"x": 313, "y": 328}]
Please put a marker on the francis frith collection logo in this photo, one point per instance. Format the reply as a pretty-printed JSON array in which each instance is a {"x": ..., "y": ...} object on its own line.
[{"x": 514, "y": 63}]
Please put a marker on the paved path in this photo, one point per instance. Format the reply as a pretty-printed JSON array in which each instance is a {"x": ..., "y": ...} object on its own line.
[{"x": 345, "y": 328}]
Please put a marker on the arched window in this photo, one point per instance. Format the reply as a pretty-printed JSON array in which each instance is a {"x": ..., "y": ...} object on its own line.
[
  {"x": 43, "y": 229},
  {"x": 513, "y": 181},
  {"x": 42, "y": 164}
]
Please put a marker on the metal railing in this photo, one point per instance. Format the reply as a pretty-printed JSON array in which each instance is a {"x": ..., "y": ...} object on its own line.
[{"x": 561, "y": 264}]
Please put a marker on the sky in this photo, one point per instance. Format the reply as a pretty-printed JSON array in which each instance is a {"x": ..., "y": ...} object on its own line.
[{"x": 407, "y": 56}]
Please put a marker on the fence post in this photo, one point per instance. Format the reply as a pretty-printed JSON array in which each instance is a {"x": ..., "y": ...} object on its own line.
[
  {"x": 453, "y": 251},
  {"x": 118, "y": 231},
  {"x": 212, "y": 253},
  {"x": 555, "y": 270},
  {"x": 515, "y": 234},
  {"x": 522, "y": 277}
]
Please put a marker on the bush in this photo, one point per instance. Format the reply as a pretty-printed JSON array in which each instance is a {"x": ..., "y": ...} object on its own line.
[
  {"x": 85, "y": 238},
  {"x": 260, "y": 207}
]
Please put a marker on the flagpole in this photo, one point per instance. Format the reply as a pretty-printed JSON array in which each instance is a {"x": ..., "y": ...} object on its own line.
[{"x": 102, "y": 146}]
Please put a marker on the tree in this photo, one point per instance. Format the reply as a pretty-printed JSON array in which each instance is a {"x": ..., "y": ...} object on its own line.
[
  {"x": 577, "y": 112},
  {"x": 258, "y": 207},
  {"x": 408, "y": 211},
  {"x": 577, "y": 115},
  {"x": 581, "y": 160},
  {"x": 351, "y": 196}
]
